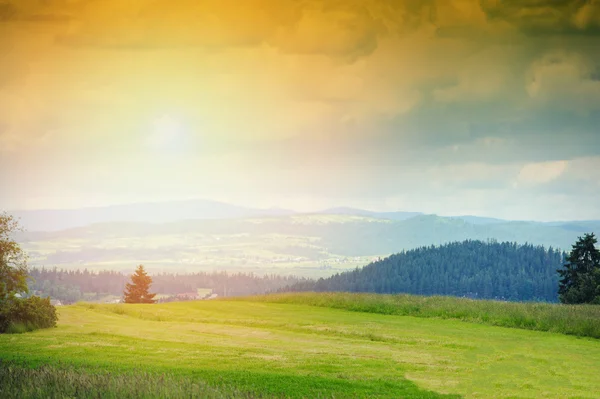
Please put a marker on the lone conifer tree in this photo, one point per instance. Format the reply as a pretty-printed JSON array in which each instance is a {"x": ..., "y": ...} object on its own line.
[
  {"x": 580, "y": 276},
  {"x": 137, "y": 290}
]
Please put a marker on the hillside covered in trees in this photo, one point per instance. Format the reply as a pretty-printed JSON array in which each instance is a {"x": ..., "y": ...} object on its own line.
[{"x": 491, "y": 270}]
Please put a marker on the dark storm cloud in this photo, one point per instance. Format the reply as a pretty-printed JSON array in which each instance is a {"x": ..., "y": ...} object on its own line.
[
  {"x": 48, "y": 18},
  {"x": 540, "y": 17},
  {"x": 40, "y": 11},
  {"x": 7, "y": 11},
  {"x": 351, "y": 32},
  {"x": 569, "y": 184}
]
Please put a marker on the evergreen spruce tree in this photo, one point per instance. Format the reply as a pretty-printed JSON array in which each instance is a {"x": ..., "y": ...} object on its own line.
[
  {"x": 506, "y": 271},
  {"x": 580, "y": 276},
  {"x": 137, "y": 290}
]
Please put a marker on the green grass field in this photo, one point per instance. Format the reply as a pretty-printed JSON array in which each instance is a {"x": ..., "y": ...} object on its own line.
[
  {"x": 579, "y": 320},
  {"x": 254, "y": 348}
]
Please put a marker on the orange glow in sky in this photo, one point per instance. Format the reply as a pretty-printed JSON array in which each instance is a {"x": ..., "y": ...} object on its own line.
[{"x": 442, "y": 106}]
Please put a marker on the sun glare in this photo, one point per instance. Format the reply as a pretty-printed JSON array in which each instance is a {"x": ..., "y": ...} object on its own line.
[{"x": 167, "y": 133}]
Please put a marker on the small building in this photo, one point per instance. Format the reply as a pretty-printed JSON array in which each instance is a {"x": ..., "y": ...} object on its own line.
[
  {"x": 55, "y": 302},
  {"x": 188, "y": 296}
]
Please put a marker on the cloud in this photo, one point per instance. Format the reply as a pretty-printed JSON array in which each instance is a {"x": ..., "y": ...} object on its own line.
[
  {"x": 344, "y": 29},
  {"x": 34, "y": 11},
  {"x": 539, "y": 17},
  {"x": 588, "y": 15},
  {"x": 566, "y": 80},
  {"x": 390, "y": 102},
  {"x": 335, "y": 29},
  {"x": 484, "y": 76},
  {"x": 580, "y": 176},
  {"x": 179, "y": 24},
  {"x": 536, "y": 173},
  {"x": 7, "y": 11}
]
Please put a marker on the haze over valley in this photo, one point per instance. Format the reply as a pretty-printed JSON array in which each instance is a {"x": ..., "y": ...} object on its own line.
[{"x": 211, "y": 236}]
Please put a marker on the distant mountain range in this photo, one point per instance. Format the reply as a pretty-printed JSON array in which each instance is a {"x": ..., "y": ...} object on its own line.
[
  {"x": 315, "y": 237},
  {"x": 194, "y": 235},
  {"x": 377, "y": 215},
  {"x": 173, "y": 211},
  {"x": 149, "y": 212}
]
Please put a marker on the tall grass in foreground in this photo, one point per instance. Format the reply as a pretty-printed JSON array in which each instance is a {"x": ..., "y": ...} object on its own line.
[
  {"x": 579, "y": 320},
  {"x": 20, "y": 381}
]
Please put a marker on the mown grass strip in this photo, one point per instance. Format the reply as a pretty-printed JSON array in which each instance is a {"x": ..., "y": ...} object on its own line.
[{"x": 578, "y": 320}]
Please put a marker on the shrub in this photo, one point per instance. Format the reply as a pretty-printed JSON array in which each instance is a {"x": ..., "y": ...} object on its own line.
[{"x": 22, "y": 315}]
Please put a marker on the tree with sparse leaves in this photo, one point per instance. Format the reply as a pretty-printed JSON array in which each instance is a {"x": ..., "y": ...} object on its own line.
[
  {"x": 580, "y": 276},
  {"x": 138, "y": 290}
]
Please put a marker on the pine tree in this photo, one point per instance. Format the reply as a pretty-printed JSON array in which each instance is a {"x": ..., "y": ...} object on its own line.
[
  {"x": 470, "y": 268},
  {"x": 580, "y": 276},
  {"x": 137, "y": 291}
]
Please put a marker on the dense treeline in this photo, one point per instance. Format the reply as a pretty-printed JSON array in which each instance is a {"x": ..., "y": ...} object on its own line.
[
  {"x": 70, "y": 285},
  {"x": 490, "y": 270}
]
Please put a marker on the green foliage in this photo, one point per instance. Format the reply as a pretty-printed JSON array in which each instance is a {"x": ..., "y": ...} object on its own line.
[
  {"x": 22, "y": 315},
  {"x": 63, "y": 381},
  {"x": 272, "y": 350},
  {"x": 138, "y": 290},
  {"x": 13, "y": 262},
  {"x": 488, "y": 270},
  {"x": 71, "y": 286},
  {"x": 580, "y": 276},
  {"x": 17, "y": 380},
  {"x": 579, "y": 320},
  {"x": 18, "y": 315}
]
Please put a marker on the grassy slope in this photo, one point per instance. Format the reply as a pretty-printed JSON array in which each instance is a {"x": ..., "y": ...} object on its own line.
[
  {"x": 17, "y": 380},
  {"x": 579, "y": 320},
  {"x": 302, "y": 351}
]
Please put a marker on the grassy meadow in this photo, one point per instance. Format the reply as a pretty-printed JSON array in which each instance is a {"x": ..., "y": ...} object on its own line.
[
  {"x": 285, "y": 347},
  {"x": 579, "y": 320}
]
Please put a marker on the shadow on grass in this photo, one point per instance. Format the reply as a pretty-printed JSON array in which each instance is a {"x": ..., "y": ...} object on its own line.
[{"x": 271, "y": 385}]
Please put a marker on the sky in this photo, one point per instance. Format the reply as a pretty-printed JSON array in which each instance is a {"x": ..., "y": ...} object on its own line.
[{"x": 481, "y": 107}]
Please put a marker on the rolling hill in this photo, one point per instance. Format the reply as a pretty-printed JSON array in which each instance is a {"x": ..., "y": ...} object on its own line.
[
  {"x": 149, "y": 212},
  {"x": 307, "y": 244},
  {"x": 199, "y": 209},
  {"x": 477, "y": 269}
]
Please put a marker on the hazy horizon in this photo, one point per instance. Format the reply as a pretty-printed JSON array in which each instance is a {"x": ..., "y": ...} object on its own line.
[
  {"x": 448, "y": 107},
  {"x": 323, "y": 210}
]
